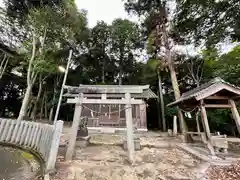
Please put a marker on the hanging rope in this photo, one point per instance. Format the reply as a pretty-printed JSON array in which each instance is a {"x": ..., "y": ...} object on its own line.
[
  {"x": 190, "y": 110},
  {"x": 101, "y": 113}
]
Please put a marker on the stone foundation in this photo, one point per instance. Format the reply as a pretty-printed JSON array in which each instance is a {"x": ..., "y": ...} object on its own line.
[
  {"x": 234, "y": 146},
  {"x": 137, "y": 145}
]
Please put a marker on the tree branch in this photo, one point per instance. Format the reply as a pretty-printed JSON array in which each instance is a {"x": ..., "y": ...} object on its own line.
[
  {"x": 34, "y": 78},
  {"x": 201, "y": 74},
  {"x": 5, "y": 56},
  {"x": 43, "y": 39},
  {"x": 4, "y": 68}
]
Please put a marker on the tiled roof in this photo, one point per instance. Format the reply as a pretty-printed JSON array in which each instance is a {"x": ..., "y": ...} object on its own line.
[{"x": 197, "y": 93}]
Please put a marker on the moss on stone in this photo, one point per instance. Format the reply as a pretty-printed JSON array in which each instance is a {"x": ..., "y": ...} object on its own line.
[{"x": 27, "y": 155}]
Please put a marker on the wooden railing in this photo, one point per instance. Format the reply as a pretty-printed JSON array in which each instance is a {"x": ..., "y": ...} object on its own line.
[{"x": 41, "y": 138}]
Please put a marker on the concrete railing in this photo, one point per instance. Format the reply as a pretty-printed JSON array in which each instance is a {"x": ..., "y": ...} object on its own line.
[{"x": 41, "y": 138}]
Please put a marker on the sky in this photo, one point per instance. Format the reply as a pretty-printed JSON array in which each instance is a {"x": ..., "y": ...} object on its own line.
[{"x": 106, "y": 10}]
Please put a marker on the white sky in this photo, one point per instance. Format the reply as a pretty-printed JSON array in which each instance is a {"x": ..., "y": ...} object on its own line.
[{"x": 106, "y": 10}]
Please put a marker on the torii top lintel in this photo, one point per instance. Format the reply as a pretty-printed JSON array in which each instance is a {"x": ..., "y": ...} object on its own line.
[{"x": 106, "y": 89}]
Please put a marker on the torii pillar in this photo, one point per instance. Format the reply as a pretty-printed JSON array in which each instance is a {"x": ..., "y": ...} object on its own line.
[
  {"x": 74, "y": 129},
  {"x": 235, "y": 114}
]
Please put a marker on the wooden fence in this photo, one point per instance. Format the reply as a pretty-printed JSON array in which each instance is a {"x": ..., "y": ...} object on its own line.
[{"x": 41, "y": 138}]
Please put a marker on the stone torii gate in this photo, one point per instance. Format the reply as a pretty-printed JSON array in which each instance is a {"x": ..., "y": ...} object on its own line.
[{"x": 84, "y": 90}]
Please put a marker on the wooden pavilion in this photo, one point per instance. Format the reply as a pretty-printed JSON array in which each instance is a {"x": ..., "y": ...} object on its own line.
[
  {"x": 215, "y": 94},
  {"x": 127, "y": 96}
]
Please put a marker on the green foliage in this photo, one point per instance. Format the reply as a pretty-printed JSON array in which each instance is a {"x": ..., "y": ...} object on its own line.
[
  {"x": 228, "y": 66},
  {"x": 154, "y": 64},
  {"x": 19, "y": 9},
  {"x": 208, "y": 20},
  {"x": 221, "y": 120},
  {"x": 143, "y": 7},
  {"x": 55, "y": 29},
  {"x": 125, "y": 38},
  {"x": 125, "y": 35}
]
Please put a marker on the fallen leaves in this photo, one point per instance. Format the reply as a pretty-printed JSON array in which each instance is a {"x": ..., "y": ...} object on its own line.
[{"x": 231, "y": 172}]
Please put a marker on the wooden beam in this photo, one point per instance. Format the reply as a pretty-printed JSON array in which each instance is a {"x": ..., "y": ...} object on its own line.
[
  {"x": 104, "y": 96},
  {"x": 205, "y": 121},
  {"x": 217, "y": 97},
  {"x": 105, "y": 101},
  {"x": 217, "y": 106},
  {"x": 106, "y": 89},
  {"x": 235, "y": 114}
]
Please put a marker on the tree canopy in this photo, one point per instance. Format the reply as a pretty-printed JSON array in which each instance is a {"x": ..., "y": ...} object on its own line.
[
  {"x": 36, "y": 37},
  {"x": 207, "y": 20}
]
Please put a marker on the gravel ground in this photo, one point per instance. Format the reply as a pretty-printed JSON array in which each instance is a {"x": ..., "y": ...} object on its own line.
[
  {"x": 64, "y": 171},
  {"x": 106, "y": 160},
  {"x": 224, "y": 172},
  {"x": 110, "y": 162}
]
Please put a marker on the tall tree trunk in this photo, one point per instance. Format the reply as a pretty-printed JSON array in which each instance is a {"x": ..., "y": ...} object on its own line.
[
  {"x": 52, "y": 106},
  {"x": 34, "y": 111},
  {"x": 103, "y": 74},
  {"x": 31, "y": 77},
  {"x": 51, "y": 114},
  {"x": 120, "y": 77},
  {"x": 173, "y": 75},
  {"x": 45, "y": 107},
  {"x": 120, "y": 66},
  {"x": 161, "y": 102},
  {"x": 42, "y": 107},
  {"x": 25, "y": 102},
  {"x": 177, "y": 96},
  {"x": 56, "y": 83},
  {"x": 30, "y": 105}
]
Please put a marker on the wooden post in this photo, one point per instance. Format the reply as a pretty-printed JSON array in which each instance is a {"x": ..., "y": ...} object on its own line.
[
  {"x": 197, "y": 121},
  {"x": 143, "y": 109},
  {"x": 175, "y": 126},
  {"x": 74, "y": 130},
  {"x": 141, "y": 117},
  {"x": 235, "y": 114},
  {"x": 205, "y": 120},
  {"x": 54, "y": 146},
  {"x": 130, "y": 140}
]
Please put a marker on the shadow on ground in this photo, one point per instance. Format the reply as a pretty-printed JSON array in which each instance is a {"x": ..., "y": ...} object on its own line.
[{"x": 17, "y": 164}]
